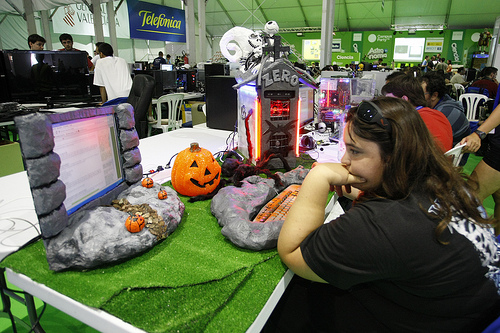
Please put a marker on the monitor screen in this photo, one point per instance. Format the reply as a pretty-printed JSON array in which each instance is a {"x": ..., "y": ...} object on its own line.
[
  {"x": 409, "y": 49},
  {"x": 35, "y": 76},
  {"x": 306, "y": 95},
  {"x": 167, "y": 67},
  {"x": 90, "y": 157}
]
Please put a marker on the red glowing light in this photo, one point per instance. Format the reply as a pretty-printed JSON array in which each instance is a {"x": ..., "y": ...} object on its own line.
[
  {"x": 297, "y": 128},
  {"x": 258, "y": 110}
]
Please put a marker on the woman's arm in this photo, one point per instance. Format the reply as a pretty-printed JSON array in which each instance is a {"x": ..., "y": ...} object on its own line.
[
  {"x": 473, "y": 141},
  {"x": 307, "y": 214}
]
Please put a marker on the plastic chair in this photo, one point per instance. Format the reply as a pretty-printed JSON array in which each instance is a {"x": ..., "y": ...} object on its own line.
[
  {"x": 174, "y": 102},
  {"x": 456, "y": 154},
  {"x": 459, "y": 90},
  {"x": 472, "y": 103}
]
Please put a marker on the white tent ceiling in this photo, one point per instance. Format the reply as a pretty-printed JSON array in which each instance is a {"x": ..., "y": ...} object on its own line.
[{"x": 305, "y": 15}]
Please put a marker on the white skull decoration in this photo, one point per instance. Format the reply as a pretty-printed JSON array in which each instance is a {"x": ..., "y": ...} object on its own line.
[
  {"x": 271, "y": 28},
  {"x": 322, "y": 127}
]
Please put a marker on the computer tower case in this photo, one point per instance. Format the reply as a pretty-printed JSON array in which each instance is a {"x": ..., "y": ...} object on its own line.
[{"x": 222, "y": 101}]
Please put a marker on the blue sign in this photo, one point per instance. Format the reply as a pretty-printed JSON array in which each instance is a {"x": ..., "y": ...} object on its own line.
[{"x": 155, "y": 22}]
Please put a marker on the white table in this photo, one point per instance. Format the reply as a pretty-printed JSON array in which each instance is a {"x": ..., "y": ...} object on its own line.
[{"x": 155, "y": 150}]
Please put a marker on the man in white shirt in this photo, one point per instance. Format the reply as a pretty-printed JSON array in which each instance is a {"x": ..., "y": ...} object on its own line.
[
  {"x": 459, "y": 77},
  {"x": 112, "y": 75}
]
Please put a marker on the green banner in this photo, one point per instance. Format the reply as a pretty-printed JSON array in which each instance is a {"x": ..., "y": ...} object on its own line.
[
  {"x": 345, "y": 58},
  {"x": 456, "y": 48}
]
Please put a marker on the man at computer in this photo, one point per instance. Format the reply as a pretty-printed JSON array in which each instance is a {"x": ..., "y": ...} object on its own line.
[
  {"x": 112, "y": 75},
  {"x": 36, "y": 42}
]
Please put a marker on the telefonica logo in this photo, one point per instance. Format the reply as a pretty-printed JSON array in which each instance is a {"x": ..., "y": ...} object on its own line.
[
  {"x": 150, "y": 19},
  {"x": 345, "y": 57}
]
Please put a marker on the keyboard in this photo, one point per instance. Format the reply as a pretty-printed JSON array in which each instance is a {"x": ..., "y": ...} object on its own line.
[{"x": 277, "y": 208}]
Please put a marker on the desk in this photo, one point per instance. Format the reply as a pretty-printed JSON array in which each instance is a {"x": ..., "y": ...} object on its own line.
[{"x": 243, "y": 286}]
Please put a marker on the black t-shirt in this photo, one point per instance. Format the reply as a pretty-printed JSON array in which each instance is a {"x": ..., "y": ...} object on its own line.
[{"x": 384, "y": 253}]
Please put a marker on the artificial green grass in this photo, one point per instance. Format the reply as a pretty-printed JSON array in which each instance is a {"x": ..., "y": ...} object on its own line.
[{"x": 189, "y": 282}]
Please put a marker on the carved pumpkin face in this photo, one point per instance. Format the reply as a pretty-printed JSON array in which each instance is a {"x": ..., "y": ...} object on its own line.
[
  {"x": 162, "y": 194},
  {"x": 147, "y": 182},
  {"x": 135, "y": 223},
  {"x": 195, "y": 171}
]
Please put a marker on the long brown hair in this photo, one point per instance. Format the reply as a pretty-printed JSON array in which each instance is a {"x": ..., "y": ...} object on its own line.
[{"x": 413, "y": 162}]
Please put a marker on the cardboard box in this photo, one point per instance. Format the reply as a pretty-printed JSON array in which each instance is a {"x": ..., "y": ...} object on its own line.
[{"x": 11, "y": 160}]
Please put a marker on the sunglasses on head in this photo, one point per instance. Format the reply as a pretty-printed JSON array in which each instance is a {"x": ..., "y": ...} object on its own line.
[{"x": 371, "y": 114}]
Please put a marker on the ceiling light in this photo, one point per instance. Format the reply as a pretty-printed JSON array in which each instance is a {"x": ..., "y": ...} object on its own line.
[{"x": 417, "y": 27}]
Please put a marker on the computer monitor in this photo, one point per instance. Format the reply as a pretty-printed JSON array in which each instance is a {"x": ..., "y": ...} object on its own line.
[
  {"x": 90, "y": 155},
  {"x": 167, "y": 67},
  {"x": 39, "y": 76},
  {"x": 306, "y": 95}
]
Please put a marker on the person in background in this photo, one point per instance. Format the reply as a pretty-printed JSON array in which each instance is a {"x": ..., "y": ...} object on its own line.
[
  {"x": 96, "y": 54},
  {"x": 67, "y": 43},
  {"x": 393, "y": 75},
  {"x": 112, "y": 75},
  {"x": 410, "y": 89},
  {"x": 488, "y": 81},
  {"x": 449, "y": 67},
  {"x": 431, "y": 64},
  {"x": 487, "y": 171},
  {"x": 168, "y": 59},
  {"x": 36, "y": 42},
  {"x": 424, "y": 64},
  {"x": 158, "y": 61},
  {"x": 459, "y": 77},
  {"x": 406, "y": 256},
  {"x": 441, "y": 66},
  {"x": 434, "y": 87}
]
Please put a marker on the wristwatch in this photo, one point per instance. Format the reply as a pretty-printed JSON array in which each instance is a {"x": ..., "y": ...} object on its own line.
[{"x": 481, "y": 134}]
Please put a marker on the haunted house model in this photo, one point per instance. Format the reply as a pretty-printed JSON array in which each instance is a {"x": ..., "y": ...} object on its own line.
[{"x": 269, "y": 108}]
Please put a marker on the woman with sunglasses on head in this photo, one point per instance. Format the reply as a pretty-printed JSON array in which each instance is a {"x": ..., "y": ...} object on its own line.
[{"x": 415, "y": 253}]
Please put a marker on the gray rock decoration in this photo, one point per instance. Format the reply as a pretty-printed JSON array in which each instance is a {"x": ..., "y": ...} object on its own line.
[
  {"x": 99, "y": 237},
  {"x": 233, "y": 207}
]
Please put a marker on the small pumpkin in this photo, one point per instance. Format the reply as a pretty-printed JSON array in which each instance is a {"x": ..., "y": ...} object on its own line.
[
  {"x": 162, "y": 195},
  {"x": 135, "y": 223},
  {"x": 147, "y": 182},
  {"x": 195, "y": 171}
]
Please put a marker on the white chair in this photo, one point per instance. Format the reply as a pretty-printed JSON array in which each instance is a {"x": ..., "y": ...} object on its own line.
[
  {"x": 472, "y": 102},
  {"x": 455, "y": 153},
  {"x": 173, "y": 102},
  {"x": 459, "y": 90}
]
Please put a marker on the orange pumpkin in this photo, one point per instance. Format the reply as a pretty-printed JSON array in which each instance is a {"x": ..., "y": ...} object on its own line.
[
  {"x": 162, "y": 194},
  {"x": 195, "y": 171},
  {"x": 147, "y": 182},
  {"x": 135, "y": 223}
]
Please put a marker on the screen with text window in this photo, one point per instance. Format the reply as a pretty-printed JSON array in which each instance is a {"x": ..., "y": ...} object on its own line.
[{"x": 90, "y": 158}]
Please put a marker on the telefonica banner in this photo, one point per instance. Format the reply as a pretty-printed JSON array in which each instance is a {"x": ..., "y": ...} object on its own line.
[
  {"x": 155, "y": 22},
  {"x": 77, "y": 19}
]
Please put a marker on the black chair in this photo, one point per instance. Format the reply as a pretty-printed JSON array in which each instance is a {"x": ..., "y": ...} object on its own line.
[{"x": 140, "y": 97}]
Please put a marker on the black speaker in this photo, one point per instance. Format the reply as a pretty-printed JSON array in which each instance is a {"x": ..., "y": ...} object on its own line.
[{"x": 221, "y": 102}]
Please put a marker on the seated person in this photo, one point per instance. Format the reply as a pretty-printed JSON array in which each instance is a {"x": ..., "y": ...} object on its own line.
[
  {"x": 459, "y": 77},
  {"x": 488, "y": 81},
  {"x": 435, "y": 93},
  {"x": 405, "y": 257},
  {"x": 409, "y": 89},
  {"x": 112, "y": 75},
  {"x": 36, "y": 42}
]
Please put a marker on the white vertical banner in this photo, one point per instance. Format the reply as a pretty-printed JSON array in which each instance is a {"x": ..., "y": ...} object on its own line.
[{"x": 77, "y": 19}]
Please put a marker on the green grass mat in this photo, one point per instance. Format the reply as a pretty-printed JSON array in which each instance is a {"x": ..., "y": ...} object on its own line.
[{"x": 193, "y": 281}]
